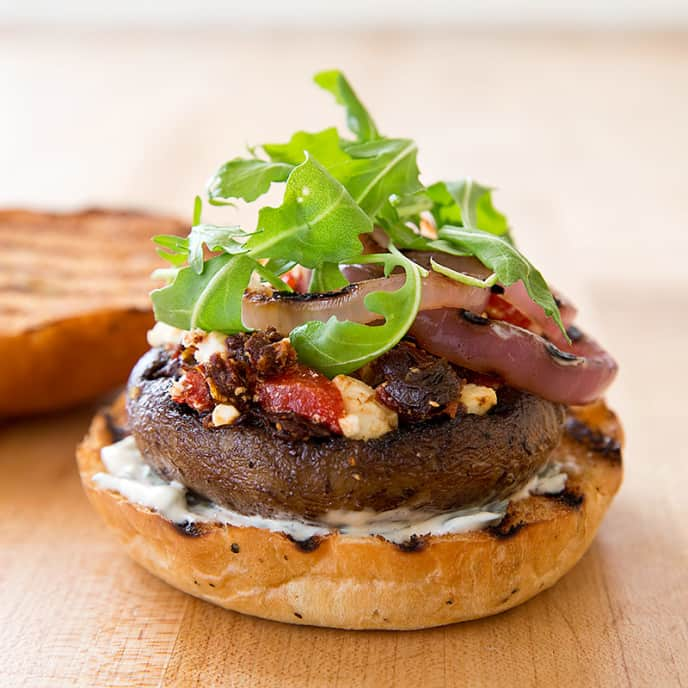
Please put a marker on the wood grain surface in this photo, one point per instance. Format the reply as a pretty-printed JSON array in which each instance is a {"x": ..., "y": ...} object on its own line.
[{"x": 588, "y": 134}]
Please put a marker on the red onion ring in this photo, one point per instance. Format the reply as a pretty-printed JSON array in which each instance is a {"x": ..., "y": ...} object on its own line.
[
  {"x": 285, "y": 311},
  {"x": 466, "y": 264},
  {"x": 522, "y": 358},
  {"x": 515, "y": 294},
  {"x": 518, "y": 297}
]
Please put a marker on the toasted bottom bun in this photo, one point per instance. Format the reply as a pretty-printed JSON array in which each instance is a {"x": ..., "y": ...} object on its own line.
[{"x": 369, "y": 583}]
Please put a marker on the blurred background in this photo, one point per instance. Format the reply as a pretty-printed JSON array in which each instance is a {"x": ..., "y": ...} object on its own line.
[{"x": 576, "y": 112}]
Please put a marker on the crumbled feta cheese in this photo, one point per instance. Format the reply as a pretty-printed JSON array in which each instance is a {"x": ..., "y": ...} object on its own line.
[
  {"x": 225, "y": 414},
  {"x": 206, "y": 343},
  {"x": 366, "y": 418},
  {"x": 477, "y": 399},
  {"x": 212, "y": 343},
  {"x": 178, "y": 388},
  {"x": 163, "y": 334}
]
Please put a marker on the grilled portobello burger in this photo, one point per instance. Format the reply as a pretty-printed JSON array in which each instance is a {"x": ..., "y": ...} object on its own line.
[
  {"x": 440, "y": 464},
  {"x": 370, "y": 412}
]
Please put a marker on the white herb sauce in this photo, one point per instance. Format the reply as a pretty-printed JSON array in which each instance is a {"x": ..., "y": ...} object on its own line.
[{"x": 128, "y": 474}]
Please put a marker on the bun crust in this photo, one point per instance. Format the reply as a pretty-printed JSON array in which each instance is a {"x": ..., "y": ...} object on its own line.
[
  {"x": 34, "y": 381},
  {"x": 82, "y": 293},
  {"x": 369, "y": 583}
]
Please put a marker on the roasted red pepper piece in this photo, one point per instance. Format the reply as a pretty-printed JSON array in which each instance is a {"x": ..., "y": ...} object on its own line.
[
  {"x": 306, "y": 393},
  {"x": 192, "y": 389},
  {"x": 498, "y": 308}
]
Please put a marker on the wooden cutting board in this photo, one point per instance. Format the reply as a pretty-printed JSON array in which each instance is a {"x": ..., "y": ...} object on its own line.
[{"x": 75, "y": 611}]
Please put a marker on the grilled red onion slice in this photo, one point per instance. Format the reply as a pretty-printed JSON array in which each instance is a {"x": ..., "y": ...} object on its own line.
[
  {"x": 523, "y": 359},
  {"x": 471, "y": 266},
  {"x": 285, "y": 311},
  {"x": 467, "y": 264},
  {"x": 517, "y": 296}
]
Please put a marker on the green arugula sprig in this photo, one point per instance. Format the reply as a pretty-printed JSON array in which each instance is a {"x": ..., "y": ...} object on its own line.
[
  {"x": 357, "y": 117},
  {"x": 339, "y": 347},
  {"x": 336, "y": 189},
  {"x": 317, "y": 223},
  {"x": 469, "y": 204},
  {"x": 507, "y": 263},
  {"x": 372, "y": 168}
]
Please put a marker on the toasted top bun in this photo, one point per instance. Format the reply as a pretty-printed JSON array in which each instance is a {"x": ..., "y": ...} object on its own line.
[
  {"x": 73, "y": 302},
  {"x": 368, "y": 582}
]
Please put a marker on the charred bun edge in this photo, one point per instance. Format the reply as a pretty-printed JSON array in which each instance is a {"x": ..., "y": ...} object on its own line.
[{"x": 370, "y": 583}]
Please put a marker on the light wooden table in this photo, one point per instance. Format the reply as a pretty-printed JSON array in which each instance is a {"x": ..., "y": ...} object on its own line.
[{"x": 588, "y": 137}]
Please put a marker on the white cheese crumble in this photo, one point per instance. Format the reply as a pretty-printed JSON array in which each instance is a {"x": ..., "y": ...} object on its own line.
[
  {"x": 206, "y": 343},
  {"x": 179, "y": 387},
  {"x": 163, "y": 334},
  {"x": 477, "y": 399},
  {"x": 224, "y": 414},
  {"x": 365, "y": 418}
]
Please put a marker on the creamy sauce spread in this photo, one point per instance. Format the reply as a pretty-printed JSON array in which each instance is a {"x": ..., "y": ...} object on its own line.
[{"x": 128, "y": 474}]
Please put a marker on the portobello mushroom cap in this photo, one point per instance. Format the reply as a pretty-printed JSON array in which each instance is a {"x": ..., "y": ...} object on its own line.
[{"x": 442, "y": 464}]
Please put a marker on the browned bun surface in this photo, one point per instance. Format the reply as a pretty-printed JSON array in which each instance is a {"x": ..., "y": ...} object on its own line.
[
  {"x": 443, "y": 464},
  {"x": 74, "y": 305},
  {"x": 365, "y": 583}
]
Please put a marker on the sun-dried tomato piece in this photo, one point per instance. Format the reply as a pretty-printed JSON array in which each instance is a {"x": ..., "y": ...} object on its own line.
[
  {"x": 297, "y": 278},
  {"x": 305, "y": 392}
]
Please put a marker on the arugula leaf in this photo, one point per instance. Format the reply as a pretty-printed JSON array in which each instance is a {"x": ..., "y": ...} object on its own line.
[
  {"x": 508, "y": 264},
  {"x": 197, "y": 210},
  {"x": 399, "y": 232},
  {"x": 372, "y": 171},
  {"x": 403, "y": 236},
  {"x": 272, "y": 277},
  {"x": 463, "y": 277},
  {"x": 208, "y": 301},
  {"x": 410, "y": 206},
  {"x": 246, "y": 179},
  {"x": 339, "y": 347},
  {"x": 379, "y": 170},
  {"x": 279, "y": 266},
  {"x": 318, "y": 221},
  {"x": 446, "y": 247},
  {"x": 177, "y": 248},
  {"x": 327, "y": 277},
  {"x": 324, "y": 146},
  {"x": 216, "y": 239},
  {"x": 469, "y": 204},
  {"x": 358, "y": 118}
]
